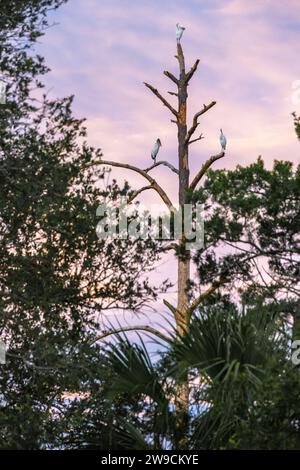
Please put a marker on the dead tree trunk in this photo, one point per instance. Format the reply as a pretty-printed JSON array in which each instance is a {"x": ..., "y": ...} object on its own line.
[
  {"x": 184, "y": 308},
  {"x": 182, "y": 398},
  {"x": 184, "y": 173}
]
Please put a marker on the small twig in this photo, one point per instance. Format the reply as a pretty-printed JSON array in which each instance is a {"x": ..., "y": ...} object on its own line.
[
  {"x": 195, "y": 120},
  {"x": 169, "y": 165},
  {"x": 196, "y": 140}
]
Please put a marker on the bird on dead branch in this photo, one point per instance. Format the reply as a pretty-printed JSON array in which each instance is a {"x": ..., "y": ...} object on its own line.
[
  {"x": 179, "y": 32},
  {"x": 155, "y": 149},
  {"x": 223, "y": 140}
]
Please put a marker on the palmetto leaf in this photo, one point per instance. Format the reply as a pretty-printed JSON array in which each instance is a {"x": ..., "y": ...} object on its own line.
[
  {"x": 130, "y": 437},
  {"x": 224, "y": 345},
  {"x": 230, "y": 352},
  {"x": 134, "y": 372}
]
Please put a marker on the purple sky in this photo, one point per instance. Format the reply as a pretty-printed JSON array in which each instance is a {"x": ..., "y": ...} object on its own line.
[{"x": 103, "y": 50}]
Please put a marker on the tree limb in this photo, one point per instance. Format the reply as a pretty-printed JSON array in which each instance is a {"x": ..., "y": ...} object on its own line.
[
  {"x": 171, "y": 76},
  {"x": 161, "y": 98},
  {"x": 143, "y": 173},
  {"x": 169, "y": 165},
  {"x": 172, "y": 93},
  {"x": 190, "y": 74},
  {"x": 146, "y": 328},
  {"x": 204, "y": 169},
  {"x": 195, "y": 120}
]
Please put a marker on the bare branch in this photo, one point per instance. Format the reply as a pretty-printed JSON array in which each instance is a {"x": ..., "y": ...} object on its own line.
[
  {"x": 195, "y": 120},
  {"x": 172, "y": 93},
  {"x": 204, "y": 169},
  {"x": 161, "y": 98},
  {"x": 190, "y": 74},
  {"x": 143, "y": 173},
  {"x": 146, "y": 328},
  {"x": 196, "y": 140},
  {"x": 169, "y": 165},
  {"x": 171, "y": 76},
  {"x": 139, "y": 191},
  {"x": 204, "y": 296}
]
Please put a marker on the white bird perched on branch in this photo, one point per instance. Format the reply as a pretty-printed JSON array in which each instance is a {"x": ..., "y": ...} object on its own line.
[
  {"x": 2, "y": 92},
  {"x": 179, "y": 32},
  {"x": 155, "y": 149},
  {"x": 223, "y": 140}
]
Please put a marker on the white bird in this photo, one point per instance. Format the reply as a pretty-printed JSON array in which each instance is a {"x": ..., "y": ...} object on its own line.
[
  {"x": 155, "y": 149},
  {"x": 223, "y": 140},
  {"x": 179, "y": 32},
  {"x": 2, "y": 92}
]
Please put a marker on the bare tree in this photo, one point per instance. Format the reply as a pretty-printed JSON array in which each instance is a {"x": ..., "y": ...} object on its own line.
[{"x": 186, "y": 136}]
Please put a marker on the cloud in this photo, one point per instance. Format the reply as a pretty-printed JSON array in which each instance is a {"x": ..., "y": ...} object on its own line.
[
  {"x": 103, "y": 51},
  {"x": 248, "y": 53}
]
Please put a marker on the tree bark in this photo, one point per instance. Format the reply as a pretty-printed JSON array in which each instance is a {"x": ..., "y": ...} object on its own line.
[
  {"x": 182, "y": 321},
  {"x": 183, "y": 165}
]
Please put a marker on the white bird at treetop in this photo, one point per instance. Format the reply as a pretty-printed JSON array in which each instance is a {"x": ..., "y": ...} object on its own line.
[
  {"x": 155, "y": 149},
  {"x": 223, "y": 140},
  {"x": 179, "y": 32}
]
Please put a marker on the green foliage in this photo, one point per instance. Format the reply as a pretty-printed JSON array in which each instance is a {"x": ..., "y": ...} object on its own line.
[
  {"x": 251, "y": 232},
  {"x": 273, "y": 419},
  {"x": 230, "y": 352},
  {"x": 57, "y": 278},
  {"x": 297, "y": 124},
  {"x": 238, "y": 377},
  {"x": 225, "y": 344}
]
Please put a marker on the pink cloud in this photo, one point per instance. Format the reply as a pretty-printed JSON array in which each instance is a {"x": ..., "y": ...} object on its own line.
[{"x": 249, "y": 59}]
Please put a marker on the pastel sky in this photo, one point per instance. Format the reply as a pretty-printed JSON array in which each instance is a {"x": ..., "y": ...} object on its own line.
[{"x": 103, "y": 50}]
